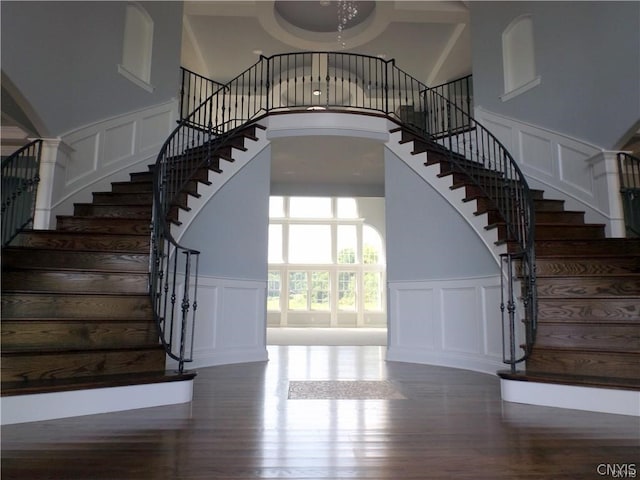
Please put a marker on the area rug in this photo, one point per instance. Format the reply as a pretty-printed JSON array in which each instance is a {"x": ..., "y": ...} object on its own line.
[{"x": 343, "y": 390}]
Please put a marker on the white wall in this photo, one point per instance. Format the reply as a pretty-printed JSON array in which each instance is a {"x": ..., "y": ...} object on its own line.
[{"x": 586, "y": 55}]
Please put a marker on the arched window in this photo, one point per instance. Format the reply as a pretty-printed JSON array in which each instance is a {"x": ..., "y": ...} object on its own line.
[
  {"x": 137, "y": 46},
  {"x": 326, "y": 265},
  {"x": 518, "y": 57}
]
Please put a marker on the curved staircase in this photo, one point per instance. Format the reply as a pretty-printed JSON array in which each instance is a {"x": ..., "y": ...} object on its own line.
[
  {"x": 76, "y": 306},
  {"x": 588, "y": 288}
]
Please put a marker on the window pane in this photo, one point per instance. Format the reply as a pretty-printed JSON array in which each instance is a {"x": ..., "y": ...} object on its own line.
[
  {"x": 372, "y": 291},
  {"x": 309, "y": 207},
  {"x": 298, "y": 290},
  {"x": 347, "y": 291},
  {"x": 347, "y": 243},
  {"x": 372, "y": 246},
  {"x": 276, "y": 207},
  {"x": 347, "y": 208},
  {"x": 275, "y": 244},
  {"x": 309, "y": 244},
  {"x": 273, "y": 291},
  {"x": 320, "y": 291}
]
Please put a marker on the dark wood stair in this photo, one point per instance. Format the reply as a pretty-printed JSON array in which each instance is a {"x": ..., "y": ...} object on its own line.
[
  {"x": 588, "y": 287},
  {"x": 76, "y": 311}
]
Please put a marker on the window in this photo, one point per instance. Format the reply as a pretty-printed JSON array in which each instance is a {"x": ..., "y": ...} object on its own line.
[
  {"x": 518, "y": 57},
  {"x": 137, "y": 46},
  {"x": 324, "y": 260}
]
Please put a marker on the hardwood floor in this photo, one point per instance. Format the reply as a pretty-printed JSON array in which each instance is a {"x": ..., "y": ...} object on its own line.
[{"x": 241, "y": 425}]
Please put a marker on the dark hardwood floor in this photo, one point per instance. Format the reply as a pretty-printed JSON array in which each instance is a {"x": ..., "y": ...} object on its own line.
[{"x": 241, "y": 425}]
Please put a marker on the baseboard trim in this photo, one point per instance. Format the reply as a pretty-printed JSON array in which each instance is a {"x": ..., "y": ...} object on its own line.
[
  {"x": 592, "y": 399},
  {"x": 50, "y": 406}
]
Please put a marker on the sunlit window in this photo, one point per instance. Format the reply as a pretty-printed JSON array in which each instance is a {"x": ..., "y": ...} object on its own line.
[
  {"x": 324, "y": 259},
  {"x": 310, "y": 207}
]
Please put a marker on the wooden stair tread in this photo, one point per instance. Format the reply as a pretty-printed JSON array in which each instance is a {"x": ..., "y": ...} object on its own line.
[
  {"x": 84, "y": 383},
  {"x": 576, "y": 380}
]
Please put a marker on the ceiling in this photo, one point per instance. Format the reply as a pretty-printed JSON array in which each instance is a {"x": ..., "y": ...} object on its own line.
[{"x": 430, "y": 40}]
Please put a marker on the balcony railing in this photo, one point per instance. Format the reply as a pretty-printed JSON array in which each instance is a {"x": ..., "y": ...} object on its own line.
[{"x": 313, "y": 81}]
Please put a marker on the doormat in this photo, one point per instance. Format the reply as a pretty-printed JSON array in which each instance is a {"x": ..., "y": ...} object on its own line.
[{"x": 343, "y": 390}]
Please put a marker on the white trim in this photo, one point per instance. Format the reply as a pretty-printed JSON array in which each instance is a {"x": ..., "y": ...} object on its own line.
[
  {"x": 602, "y": 400},
  {"x": 521, "y": 89},
  {"x": 122, "y": 70},
  {"x": 49, "y": 406}
]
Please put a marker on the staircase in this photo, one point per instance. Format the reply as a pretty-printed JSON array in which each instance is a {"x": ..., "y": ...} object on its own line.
[
  {"x": 76, "y": 307},
  {"x": 588, "y": 288}
]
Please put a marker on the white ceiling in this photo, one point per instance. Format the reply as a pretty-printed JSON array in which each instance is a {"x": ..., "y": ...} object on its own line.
[{"x": 430, "y": 40}]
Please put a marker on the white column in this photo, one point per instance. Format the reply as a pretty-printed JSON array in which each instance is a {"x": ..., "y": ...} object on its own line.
[
  {"x": 52, "y": 167},
  {"x": 607, "y": 188}
]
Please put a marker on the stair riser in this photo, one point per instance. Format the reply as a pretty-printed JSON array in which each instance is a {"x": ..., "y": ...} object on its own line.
[
  {"x": 141, "y": 177},
  {"x": 548, "y": 205},
  {"x": 69, "y": 241},
  {"x": 599, "y": 364},
  {"x": 589, "y": 287},
  {"x": 589, "y": 310},
  {"x": 109, "y": 198},
  {"x": 609, "y": 247},
  {"x": 572, "y": 218},
  {"x": 113, "y": 211},
  {"x": 38, "y": 366},
  {"x": 588, "y": 266},
  {"x": 75, "y": 282},
  {"x": 132, "y": 187},
  {"x": 594, "y": 337},
  {"x": 102, "y": 225},
  {"x": 27, "y": 335},
  {"x": 63, "y": 259},
  {"x": 87, "y": 307},
  {"x": 546, "y": 232}
]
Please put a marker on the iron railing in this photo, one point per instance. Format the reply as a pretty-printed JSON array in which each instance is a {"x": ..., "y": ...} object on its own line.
[
  {"x": 194, "y": 90},
  {"x": 629, "y": 171},
  {"x": 337, "y": 81},
  {"x": 20, "y": 178}
]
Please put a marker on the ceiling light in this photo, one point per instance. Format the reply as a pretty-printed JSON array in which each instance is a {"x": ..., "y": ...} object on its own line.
[
  {"x": 317, "y": 92},
  {"x": 347, "y": 11}
]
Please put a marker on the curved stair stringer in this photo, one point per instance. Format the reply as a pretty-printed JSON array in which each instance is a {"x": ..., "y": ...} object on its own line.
[
  {"x": 217, "y": 180},
  {"x": 455, "y": 197}
]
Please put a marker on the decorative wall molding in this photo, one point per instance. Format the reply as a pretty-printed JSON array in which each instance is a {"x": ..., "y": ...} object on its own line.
[
  {"x": 564, "y": 167},
  {"x": 89, "y": 158},
  {"x": 231, "y": 322},
  {"x": 450, "y": 322}
]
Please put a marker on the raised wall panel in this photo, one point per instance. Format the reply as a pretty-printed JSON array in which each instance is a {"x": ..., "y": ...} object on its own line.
[
  {"x": 154, "y": 130},
  {"x": 575, "y": 170},
  {"x": 537, "y": 153},
  {"x": 119, "y": 143},
  {"x": 415, "y": 309},
  {"x": 492, "y": 320},
  {"x": 84, "y": 159},
  {"x": 461, "y": 325}
]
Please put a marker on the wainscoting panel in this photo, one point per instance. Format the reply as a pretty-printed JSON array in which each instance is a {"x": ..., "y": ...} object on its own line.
[
  {"x": 566, "y": 168},
  {"x": 91, "y": 157},
  {"x": 451, "y": 322},
  {"x": 231, "y": 322}
]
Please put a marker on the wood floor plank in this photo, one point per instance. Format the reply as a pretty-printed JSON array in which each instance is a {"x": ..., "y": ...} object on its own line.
[{"x": 241, "y": 425}]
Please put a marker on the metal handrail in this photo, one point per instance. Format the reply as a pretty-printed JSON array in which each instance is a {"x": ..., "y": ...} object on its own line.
[
  {"x": 629, "y": 173},
  {"x": 20, "y": 179},
  {"x": 335, "y": 81},
  {"x": 194, "y": 90}
]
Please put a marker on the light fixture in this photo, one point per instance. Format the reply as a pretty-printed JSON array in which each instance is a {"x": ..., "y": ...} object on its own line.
[
  {"x": 347, "y": 11},
  {"x": 317, "y": 92}
]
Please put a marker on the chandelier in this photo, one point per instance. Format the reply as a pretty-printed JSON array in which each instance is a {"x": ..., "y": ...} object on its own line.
[{"x": 347, "y": 11}]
